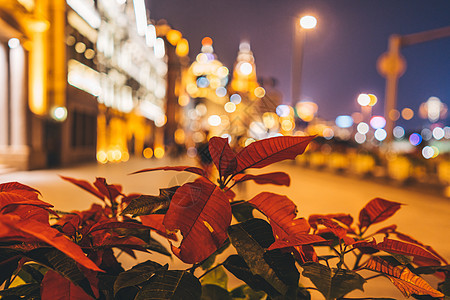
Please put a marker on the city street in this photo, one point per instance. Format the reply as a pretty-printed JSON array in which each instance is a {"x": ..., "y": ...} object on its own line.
[{"x": 424, "y": 216}]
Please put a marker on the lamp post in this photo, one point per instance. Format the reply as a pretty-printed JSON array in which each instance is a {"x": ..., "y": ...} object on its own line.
[{"x": 299, "y": 36}]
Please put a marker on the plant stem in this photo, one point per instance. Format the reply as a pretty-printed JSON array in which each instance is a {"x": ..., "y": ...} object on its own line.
[
  {"x": 374, "y": 276},
  {"x": 207, "y": 271},
  {"x": 358, "y": 259}
]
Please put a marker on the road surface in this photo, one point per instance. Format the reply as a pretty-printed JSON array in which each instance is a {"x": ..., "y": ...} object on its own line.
[{"x": 425, "y": 216}]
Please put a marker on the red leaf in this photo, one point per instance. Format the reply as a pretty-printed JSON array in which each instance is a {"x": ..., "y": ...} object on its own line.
[
  {"x": 297, "y": 240},
  {"x": 18, "y": 188},
  {"x": 377, "y": 210},
  {"x": 155, "y": 222},
  {"x": 222, "y": 155},
  {"x": 56, "y": 287},
  {"x": 194, "y": 170},
  {"x": 25, "y": 208},
  {"x": 409, "y": 239},
  {"x": 12, "y": 228},
  {"x": 110, "y": 191},
  {"x": 337, "y": 230},
  {"x": 85, "y": 186},
  {"x": 281, "y": 212},
  {"x": 277, "y": 178},
  {"x": 202, "y": 212},
  {"x": 405, "y": 280},
  {"x": 343, "y": 218},
  {"x": 400, "y": 247},
  {"x": 268, "y": 151}
]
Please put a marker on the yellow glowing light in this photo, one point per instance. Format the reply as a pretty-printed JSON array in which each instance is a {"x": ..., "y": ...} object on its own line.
[
  {"x": 222, "y": 72},
  {"x": 89, "y": 53},
  {"x": 230, "y": 107},
  {"x": 148, "y": 152},
  {"x": 159, "y": 152},
  {"x": 198, "y": 137},
  {"x": 407, "y": 113},
  {"x": 394, "y": 115},
  {"x": 161, "y": 121},
  {"x": 179, "y": 136},
  {"x": 191, "y": 88},
  {"x": 183, "y": 100},
  {"x": 435, "y": 151},
  {"x": 308, "y": 22},
  {"x": 202, "y": 58},
  {"x": 125, "y": 156},
  {"x": 287, "y": 125},
  {"x": 110, "y": 155},
  {"x": 306, "y": 110},
  {"x": 80, "y": 47},
  {"x": 270, "y": 120},
  {"x": 207, "y": 41},
  {"x": 173, "y": 36},
  {"x": 182, "y": 48},
  {"x": 260, "y": 92},
  {"x": 373, "y": 99},
  {"x": 102, "y": 157},
  {"x": 248, "y": 141}
]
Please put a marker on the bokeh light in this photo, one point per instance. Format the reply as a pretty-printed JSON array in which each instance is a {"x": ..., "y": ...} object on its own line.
[
  {"x": 415, "y": 139},
  {"x": 202, "y": 82},
  {"x": 407, "y": 113},
  {"x": 363, "y": 99},
  {"x": 426, "y": 134},
  {"x": 377, "y": 122},
  {"x": 394, "y": 115},
  {"x": 328, "y": 133},
  {"x": 246, "y": 68},
  {"x": 148, "y": 152},
  {"x": 221, "y": 91},
  {"x": 373, "y": 99},
  {"x": 360, "y": 137},
  {"x": 427, "y": 152},
  {"x": 236, "y": 98},
  {"x": 230, "y": 107},
  {"x": 380, "y": 134},
  {"x": 438, "y": 133},
  {"x": 13, "y": 43},
  {"x": 214, "y": 120},
  {"x": 283, "y": 110},
  {"x": 398, "y": 132},
  {"x": 362, "y": 128},
  {"x": 159, "y": 152},
  {"x": 344, "y": 121},
  {"x": 308, "y": 22},
  {"x": 260, "y": 92}
]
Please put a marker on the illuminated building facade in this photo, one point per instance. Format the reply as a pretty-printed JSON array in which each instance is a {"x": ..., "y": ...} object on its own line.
[{"x": 79, "y": 79}]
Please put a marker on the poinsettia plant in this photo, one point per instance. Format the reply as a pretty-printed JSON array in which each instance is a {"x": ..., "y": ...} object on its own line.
[{"x": 75, "y": 256}]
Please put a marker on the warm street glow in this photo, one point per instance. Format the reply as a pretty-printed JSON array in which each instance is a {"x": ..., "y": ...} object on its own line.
[{"x": 308, "y": 22}]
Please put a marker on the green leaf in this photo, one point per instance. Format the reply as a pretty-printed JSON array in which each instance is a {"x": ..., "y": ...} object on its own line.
[
  {"x": 250, "y": 238},
  {"x": 25, "y": 290},
  {"x": 218, "y": 277},
  {"x": 9, "y": 260},
  {"x": 330, "y": 284},
  {"x": 320, "y": 276},
  {"x": 137, "y": 275},
  {"x": 283, "y": 264},
  {"x": 64, "y": 265},
  {"x": 32, "y": 272},
  {"x": 246, "y": 292},
  {"x": 171, "y": 284},
  {"x": 148, "y": 204},
  {"x": 344, "y": 282},
  {"x": 214, "y": 292},
  {"x": 239, "y": 268},
  {"x": 242, "y": 210},
  {"x": 444, "y": 287}
]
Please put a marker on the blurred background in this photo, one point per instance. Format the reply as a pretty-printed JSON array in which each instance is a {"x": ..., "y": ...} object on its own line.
[{"x": 107, "y": 81}]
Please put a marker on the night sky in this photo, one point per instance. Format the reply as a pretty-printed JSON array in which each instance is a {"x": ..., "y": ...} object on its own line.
[{"x": 340, "y": 53}]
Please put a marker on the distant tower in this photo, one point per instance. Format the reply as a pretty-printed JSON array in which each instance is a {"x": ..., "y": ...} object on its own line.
[{"x": 244, "y": 72}]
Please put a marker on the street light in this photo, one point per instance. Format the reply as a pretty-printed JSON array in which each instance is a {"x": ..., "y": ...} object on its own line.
[{"x": 305, "y": 23}]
